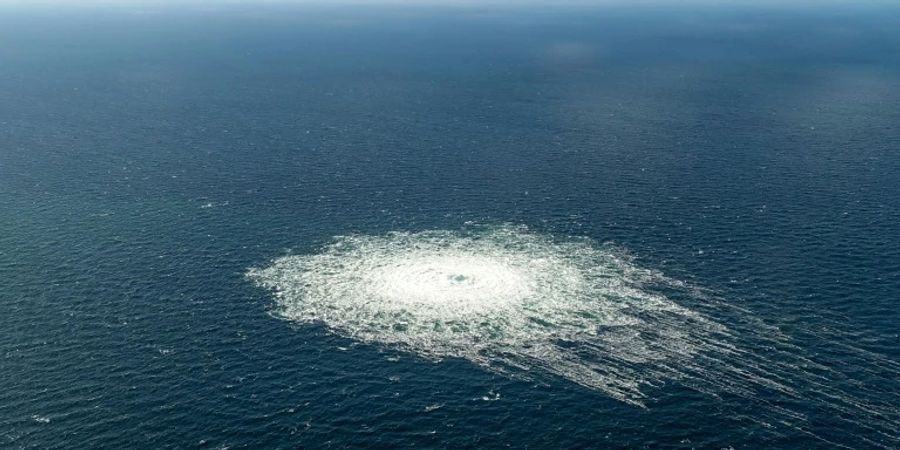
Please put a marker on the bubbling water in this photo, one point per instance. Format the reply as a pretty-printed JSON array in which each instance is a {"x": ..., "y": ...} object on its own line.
[
  {"x": 514, "y": 301},
  {"x": 530, "y": 305},
  {"x": 467, "y": 283}
]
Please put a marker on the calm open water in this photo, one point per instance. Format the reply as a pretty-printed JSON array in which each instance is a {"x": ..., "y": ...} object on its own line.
[{"x": 149, "y": 156}]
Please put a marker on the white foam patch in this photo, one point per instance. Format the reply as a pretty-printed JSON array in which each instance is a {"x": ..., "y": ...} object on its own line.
[
  {"x": 502, "y": 297},
  {"x": 529, "y": 305}
]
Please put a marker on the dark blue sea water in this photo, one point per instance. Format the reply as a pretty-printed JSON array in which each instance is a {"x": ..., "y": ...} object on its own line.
[{"x": 151, "y": 155}]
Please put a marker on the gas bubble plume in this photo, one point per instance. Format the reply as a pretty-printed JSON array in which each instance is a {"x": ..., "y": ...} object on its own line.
[
  {"x": 529, "y": 305},
  {"x": 511, "y": 300}
]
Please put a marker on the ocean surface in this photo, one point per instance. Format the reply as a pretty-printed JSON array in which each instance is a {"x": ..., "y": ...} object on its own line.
[{"x": 228, "y": 226}]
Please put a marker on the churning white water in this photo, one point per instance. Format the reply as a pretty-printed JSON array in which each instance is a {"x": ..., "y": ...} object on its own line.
[
  {"x": 531, "y": 305},
  {"x": 515, "y": 301}
]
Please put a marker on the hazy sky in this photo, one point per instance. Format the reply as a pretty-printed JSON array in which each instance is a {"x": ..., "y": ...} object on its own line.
[{"x": 769, "y": 3}]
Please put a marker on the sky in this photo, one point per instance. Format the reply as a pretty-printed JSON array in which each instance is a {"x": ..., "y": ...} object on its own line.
[{"x": 813, "y": 4}]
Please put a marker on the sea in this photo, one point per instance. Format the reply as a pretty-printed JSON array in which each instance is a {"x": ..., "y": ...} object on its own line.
[{"x": 450, "y": 224}]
